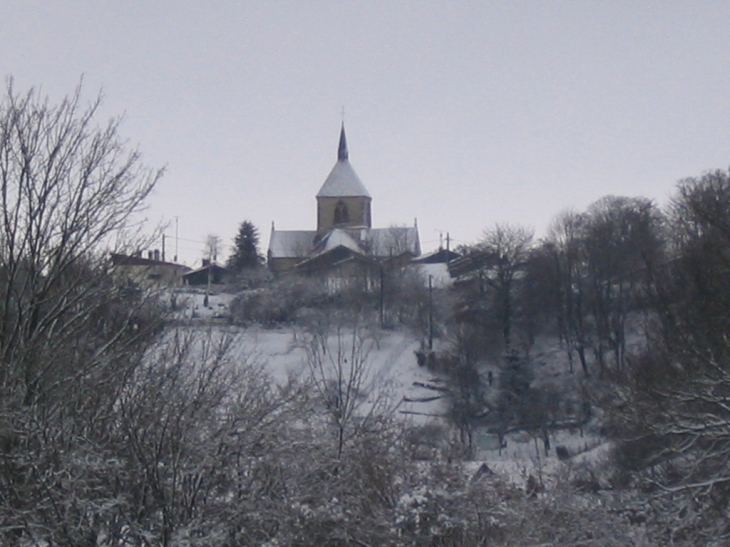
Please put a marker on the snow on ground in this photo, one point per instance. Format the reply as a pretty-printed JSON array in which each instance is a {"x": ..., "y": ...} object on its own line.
[
  {"x": 391, "y": 357},
  {"x": 412, "y": 390},
  {"x": 189, "y": 303},
  {"x": 393, "y": 370},
  {"x": 521, "y": 457}
]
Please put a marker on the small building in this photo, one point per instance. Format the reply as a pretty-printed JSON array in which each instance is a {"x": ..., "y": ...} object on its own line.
[
  {"x": 434, "y": 267},
  {"x": 148, "y": 272},
  {"x": 441, "y": 256},
  {"x": 209, "y": 272}
]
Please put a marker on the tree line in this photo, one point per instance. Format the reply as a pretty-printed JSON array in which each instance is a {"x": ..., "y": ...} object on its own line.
[{"x": 638, "y": 296}]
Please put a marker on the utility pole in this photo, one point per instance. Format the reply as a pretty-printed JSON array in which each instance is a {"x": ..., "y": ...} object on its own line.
[
  {"x": 175, "y": 260},
  {"x": 382, "y": 297},
  {"x": 212, "y": 257},
  {"x": 430, "y": 312},
  {"x": 206, "y": 300}
]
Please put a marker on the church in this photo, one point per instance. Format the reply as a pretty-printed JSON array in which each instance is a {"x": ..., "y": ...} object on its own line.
[{"x": 344, "y": 240}]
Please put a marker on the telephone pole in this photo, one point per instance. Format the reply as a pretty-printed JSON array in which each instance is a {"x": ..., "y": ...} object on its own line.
[
  {"x": 430, "y": 312},
  {"x": 176, "y": 238}
]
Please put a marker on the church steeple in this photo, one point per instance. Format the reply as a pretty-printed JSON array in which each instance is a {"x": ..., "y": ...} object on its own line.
[
  {"x": 343, "y": 201},
  {"x": 342, "y": 153},
  {"x": 342, "y": 180}
]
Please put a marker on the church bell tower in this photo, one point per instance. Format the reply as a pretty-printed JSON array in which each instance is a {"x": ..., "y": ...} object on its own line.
[{"x": 343, "y": 201}]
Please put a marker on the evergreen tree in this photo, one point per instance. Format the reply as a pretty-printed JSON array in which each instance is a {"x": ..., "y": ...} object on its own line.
[{"x": 246, "y": 248}]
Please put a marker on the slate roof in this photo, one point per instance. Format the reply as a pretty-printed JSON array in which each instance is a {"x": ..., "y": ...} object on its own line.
[
  {"x": 291, "y": 243},
  {"x": 213, "y": 272},
  {"x": 375, "y": 242},
  {"x": 441, "y": 256},
  {"x": 340, "y": 237},
  {"x": 342, "y": 180}
]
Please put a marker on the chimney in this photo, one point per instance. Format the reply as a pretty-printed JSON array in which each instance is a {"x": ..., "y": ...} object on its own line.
[
  {"x": 157, "y": 255},
  {"x": 206, "y": 262},
  {"x": 150, "y": 255}
]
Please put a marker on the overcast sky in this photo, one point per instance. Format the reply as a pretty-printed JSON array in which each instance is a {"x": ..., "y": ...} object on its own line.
[{"x": 460, "y": 114}]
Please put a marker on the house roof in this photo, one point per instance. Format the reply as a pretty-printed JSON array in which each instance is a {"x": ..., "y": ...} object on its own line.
[
  {"x": 472, "y": 262},
  {"x": 336, "y": 257},
  {"x": 441, "y": 256},
  {"x": 213, "y": 267},
  {"x": 291, "y": 243},
  {"x": 342, "y": 180},
  {"x": 131, "y": 260}
]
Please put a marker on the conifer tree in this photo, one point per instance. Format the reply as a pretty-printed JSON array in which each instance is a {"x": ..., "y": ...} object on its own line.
[{"x": 245, "y": 250}]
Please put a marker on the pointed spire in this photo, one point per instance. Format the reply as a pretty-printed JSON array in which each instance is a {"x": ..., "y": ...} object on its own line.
[{"x": 342, "y": 150}]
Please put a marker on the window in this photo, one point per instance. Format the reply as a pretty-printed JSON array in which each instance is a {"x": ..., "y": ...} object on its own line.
[{"x": 342, "y": 215}]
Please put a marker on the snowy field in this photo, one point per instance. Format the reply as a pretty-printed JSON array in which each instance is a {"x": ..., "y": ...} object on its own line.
[{"x": 412, "y": 391}]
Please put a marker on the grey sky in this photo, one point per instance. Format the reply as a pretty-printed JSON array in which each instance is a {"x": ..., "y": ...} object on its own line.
[{"x": 461, "y": 114}]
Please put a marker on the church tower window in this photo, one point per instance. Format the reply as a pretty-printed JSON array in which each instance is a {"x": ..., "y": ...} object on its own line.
[{"x": 342, "y": 214}]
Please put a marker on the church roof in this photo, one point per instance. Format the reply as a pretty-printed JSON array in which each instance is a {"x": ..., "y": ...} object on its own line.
[
  {"x": 374, "y": 242},
  {"x": 291, "y": 243},
  {"x": 339, "y": 237},
  {"x": 342, "y": 180}
]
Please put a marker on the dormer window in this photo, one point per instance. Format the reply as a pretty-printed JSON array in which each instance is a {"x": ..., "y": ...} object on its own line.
[{"x": 342, "y": 215}]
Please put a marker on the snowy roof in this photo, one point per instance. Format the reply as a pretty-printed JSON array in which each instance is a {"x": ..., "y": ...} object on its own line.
[
  {"x": 440, "y": 256},
  {"x": 205, "y": 268},
  {"x": 339, "y": 237},
  {"x": 342, "y": 180},
  {"x": 131, "y": 260},
  {"x": 291, "y": 243},
  {"x": 376, "y": 242}
]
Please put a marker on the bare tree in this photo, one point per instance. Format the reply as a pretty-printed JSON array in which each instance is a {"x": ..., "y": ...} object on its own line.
[
  {"x": 196, "y": 417},
  {"x": 397, "y": 241},
  {"x": 349, "y": 388},
  {"x": 621, "y": 240},
  {"x": 212, "y": 248},
  {"x": 566, "y": 246},
  {"x": 510, "y": 246},
  {"x": 671, "y": 404},
  {"x": 69, "y": 189}
]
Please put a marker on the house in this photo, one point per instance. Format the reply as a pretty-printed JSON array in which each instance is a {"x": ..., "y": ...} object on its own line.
[
  {"x": 440, "y": 256},
  {"x": 209, "y": 272},
  {"x": 148, "y": 272},
  {"x": 344, "y": 240},
  {"x": 434, "y": 267}
]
